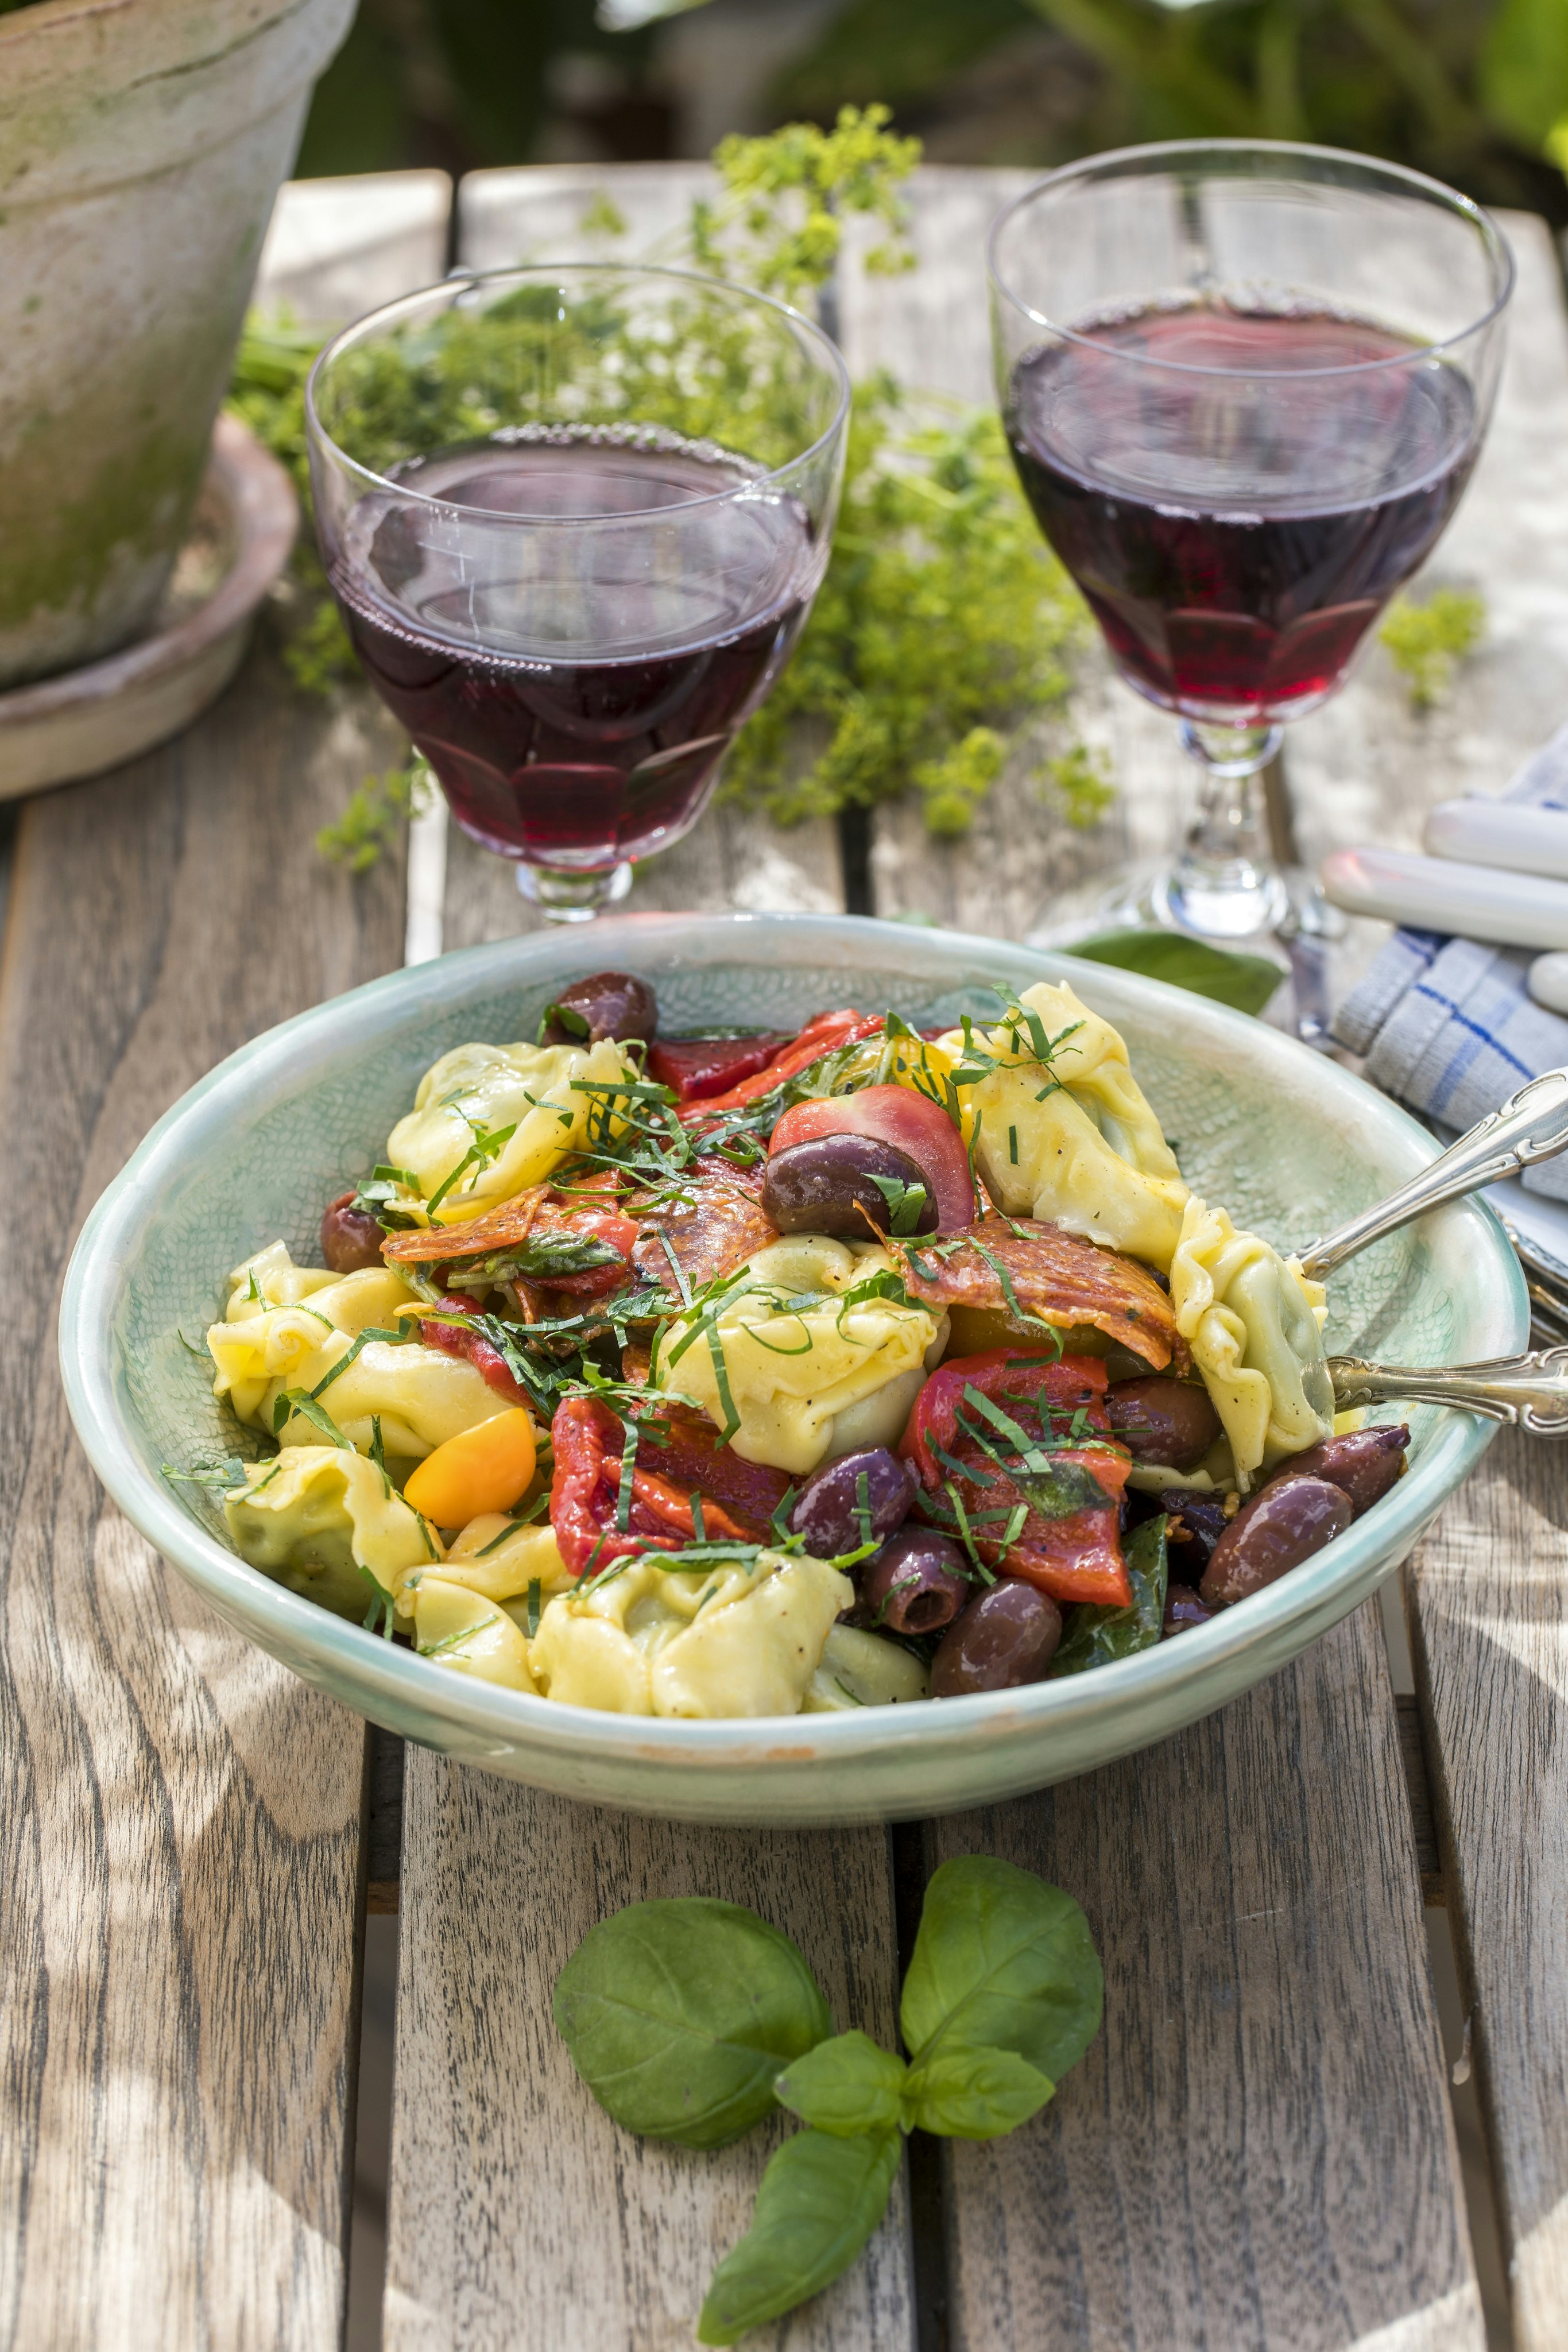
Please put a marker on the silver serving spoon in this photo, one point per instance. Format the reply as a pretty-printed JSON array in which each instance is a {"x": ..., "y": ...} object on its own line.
[
  {"x": 1533, "y": 1125},
  {"x": 1530, "y": 1391}
]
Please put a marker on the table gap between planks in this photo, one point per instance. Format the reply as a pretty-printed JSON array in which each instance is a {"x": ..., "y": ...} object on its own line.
[{"x": 1258, "y": 2150}]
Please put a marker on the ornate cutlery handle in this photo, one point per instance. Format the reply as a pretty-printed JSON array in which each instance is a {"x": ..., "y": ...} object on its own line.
[
  {"x": 1531, "y": 1125},
  {"x": 1532, "y": 1391}
]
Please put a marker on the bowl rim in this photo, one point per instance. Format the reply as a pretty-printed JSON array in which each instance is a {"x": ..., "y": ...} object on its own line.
[{"x": 98, "y": 1268}]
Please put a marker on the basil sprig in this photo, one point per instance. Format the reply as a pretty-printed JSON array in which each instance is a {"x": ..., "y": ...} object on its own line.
[{"x": 690, "y": 2020}]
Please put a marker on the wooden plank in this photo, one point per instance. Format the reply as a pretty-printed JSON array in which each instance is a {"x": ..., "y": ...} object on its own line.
[
  {"x": 180, "y": 1816},
  {"x": 336, "y": 248},
  {"x": 521, "y": 2217},
  {"x": 1259, "y": 2148},
  {"x": 1488, "y": 1611}
]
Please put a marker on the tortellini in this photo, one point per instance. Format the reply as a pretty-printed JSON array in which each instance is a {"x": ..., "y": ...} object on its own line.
[
  {"x": 1254, "y": 1324},
  {"x": 473, "y": 1635},
  {"x": 1074, "y": 1142},
  {"x": 469, "y": 1098},
  {"x": 810, "y": 1376},
  {"x": 420, "y": 1395},
  {"x": 860, "y": 1669},
  {"x": 742, "y": 1639},
  {"x": 327, "y": 1524}
]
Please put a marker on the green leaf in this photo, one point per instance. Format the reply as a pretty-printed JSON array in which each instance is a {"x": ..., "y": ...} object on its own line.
[
  {"x": 819, "y": 2200},
  {"x": 1095, "y": 1635},
  {"x": 679, "y": 2013},
  {"x": 1244, "y": 981},
  {"x": 967, "y": 2094},
  {"x": 1002, "y": 1961},
  {"x": 845, "y": 2085},
  {"x": 1524, "y": 77}
]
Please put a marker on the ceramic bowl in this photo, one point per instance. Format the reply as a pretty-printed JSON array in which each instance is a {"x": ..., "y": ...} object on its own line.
[{"x": 1288, "y": 1141}]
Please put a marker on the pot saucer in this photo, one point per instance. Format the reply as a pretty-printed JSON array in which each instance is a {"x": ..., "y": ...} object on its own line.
[{"x": 94, "y": 717}]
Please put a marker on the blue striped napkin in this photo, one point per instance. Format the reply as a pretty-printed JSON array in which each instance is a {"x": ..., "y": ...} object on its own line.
[{"x": 1448, "y": 1026}]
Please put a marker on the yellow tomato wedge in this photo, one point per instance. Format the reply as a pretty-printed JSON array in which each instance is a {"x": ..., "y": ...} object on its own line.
[{"x": 485, "y": 1468}]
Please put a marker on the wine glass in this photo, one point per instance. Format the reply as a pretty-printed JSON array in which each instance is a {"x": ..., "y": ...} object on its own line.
[
  {"x": 1244, "y": 383},
  {"x": 574, "y": 518}
]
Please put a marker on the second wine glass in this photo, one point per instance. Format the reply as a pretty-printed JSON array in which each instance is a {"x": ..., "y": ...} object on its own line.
[{"x": 1245, "y": 384}]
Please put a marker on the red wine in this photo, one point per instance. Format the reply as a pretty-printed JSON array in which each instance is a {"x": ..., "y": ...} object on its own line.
[
  {"x": 575, "y": 691},
  {"x": 1236, "y": 535}
]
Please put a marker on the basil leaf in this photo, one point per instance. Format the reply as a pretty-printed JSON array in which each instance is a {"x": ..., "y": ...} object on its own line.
[
  {"x": 1001, "y": 1961},
  {"x": 543, "y": 1257},
  {"x": 679, "y": 2013},
  {"x": 820, "y": 2201},
  {"x": 1246, "y": 982},
  {"x": 845, "y": 2085},
  {"x": 1097, "y": 1635},
  {"x": 967, "y": 2094},
  {"x": 1061, "y": 1489}
]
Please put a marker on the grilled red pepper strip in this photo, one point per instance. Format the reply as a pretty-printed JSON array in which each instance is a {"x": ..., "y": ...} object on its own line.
[
  {"x": 694, "y": 1067},
  {"x": 459, "y": 1339},
  {"x": 824, "y": 1034},
  {"x": 587, "y": 1440},
  {"x": 960, "y": 1450}
]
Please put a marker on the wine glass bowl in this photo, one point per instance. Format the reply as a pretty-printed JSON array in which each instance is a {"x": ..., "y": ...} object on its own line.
[
  {"x": 574, "y": 519},
  {"x": 1244, "y": 385}
]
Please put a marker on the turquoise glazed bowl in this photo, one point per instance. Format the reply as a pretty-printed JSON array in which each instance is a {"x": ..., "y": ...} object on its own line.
[{"x": 1291, "y": 1143}]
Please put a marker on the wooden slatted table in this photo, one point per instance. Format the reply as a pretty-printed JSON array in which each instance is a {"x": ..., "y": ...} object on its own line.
[{"x": 1260, "y": 2147}]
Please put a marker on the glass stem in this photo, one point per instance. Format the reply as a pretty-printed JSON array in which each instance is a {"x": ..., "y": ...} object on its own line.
[
  {"x": 1225, "y": 883},
  {"x": 564, "y": 896}
]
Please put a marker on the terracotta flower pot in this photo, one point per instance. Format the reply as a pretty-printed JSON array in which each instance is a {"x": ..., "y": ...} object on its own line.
[{"x": 142, "y": 144}]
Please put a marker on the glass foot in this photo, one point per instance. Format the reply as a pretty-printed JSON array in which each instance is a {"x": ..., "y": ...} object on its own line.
[
  {"x": 1234, "y": 901},
  {"x": 564, "y": 898}
]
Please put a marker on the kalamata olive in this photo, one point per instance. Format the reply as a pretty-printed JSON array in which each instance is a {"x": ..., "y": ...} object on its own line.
[
  {"x": 1197, "y": 1524},
  {"x": 350, "y": 1240},
  {"x": 1165, "y": 1422},
  {"x": 915, "y": 1584},
  {"x": 828, "y": 1513},
  {"x": 1363, "y": 1464},
  {"x": 1007, "y": 1637},
  {"x": 612, "y": 1004},
  {"x": 1289, "y": 1520},
  {"x": 1184, "y": 1608},
  {"x": 820, "y": 1187}
]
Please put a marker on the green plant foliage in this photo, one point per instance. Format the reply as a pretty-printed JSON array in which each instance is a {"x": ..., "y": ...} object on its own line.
[
  {"x": 1524, "y": 70},
  {"x": 374, "y": 817},
  {"x": 1097, "y": 1636},
  {"x": 943, "y": 619},
  {"x": 779, "y": 223},
  {"x": 1426, "y": 642}
]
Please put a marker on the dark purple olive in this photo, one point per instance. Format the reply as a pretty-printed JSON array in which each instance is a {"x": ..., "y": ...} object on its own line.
[
  {"x": 915, "y": 1584},
  {"x": 1168, "y": 1423},
  {"x": 350, "y": 1240},
  {"x": 611, "y": 1004},
  {"x": 1007, "y": 1637},
  {"x": 1184, "y": 1608},
  {"x": 1289, "y": 1520},
  {"x": 1197, "y": 1524},
  {"x": 828, "y": 1513},
  {"x": 822, "y": 1186},
  {"x": 1363, "y": 1464}
]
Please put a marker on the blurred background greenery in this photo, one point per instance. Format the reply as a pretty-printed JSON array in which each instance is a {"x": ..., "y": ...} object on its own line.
[{"x": 1475, "y": 91}]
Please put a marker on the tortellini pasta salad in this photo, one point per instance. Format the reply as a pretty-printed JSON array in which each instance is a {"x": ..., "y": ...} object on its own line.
[{"x": 765, "y": 1375}]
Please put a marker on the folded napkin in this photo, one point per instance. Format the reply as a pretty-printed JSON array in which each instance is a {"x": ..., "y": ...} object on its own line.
[{"x": 1448, "y": 1026}]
